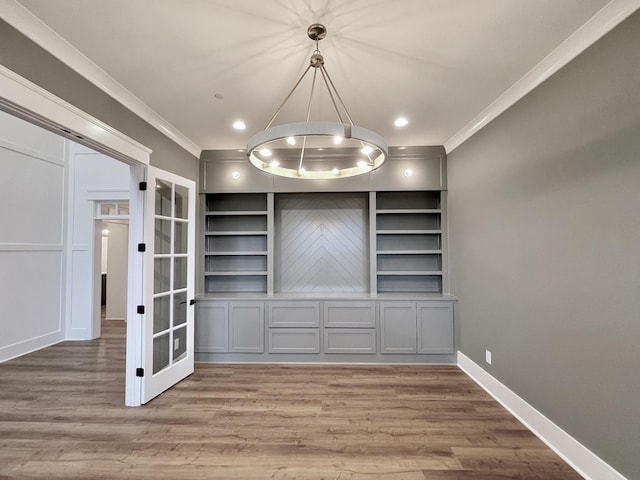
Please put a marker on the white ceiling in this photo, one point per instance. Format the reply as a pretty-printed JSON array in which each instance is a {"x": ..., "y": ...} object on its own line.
[{"x": 439, "y": 63}]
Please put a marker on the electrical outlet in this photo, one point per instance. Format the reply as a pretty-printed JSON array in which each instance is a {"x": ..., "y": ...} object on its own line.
[
  {"x": 176, "y": 343},
  {"x": 487, "y": 356}
]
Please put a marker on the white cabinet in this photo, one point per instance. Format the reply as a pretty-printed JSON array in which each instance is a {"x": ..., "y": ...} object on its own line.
[
  {"x": 324, "y": 331},
  {"x": 294, "y": 327},
  {"x": 422, "y": 327},
  {"x": 435, "y": 327},
  {"x": 212, "y": 327},
  {"x": 398, "y": 327},
  {"x": 246, "y": 327}
]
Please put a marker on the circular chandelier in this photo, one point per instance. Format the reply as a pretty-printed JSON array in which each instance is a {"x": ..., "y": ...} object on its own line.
[{"x": 300, "y": 150}]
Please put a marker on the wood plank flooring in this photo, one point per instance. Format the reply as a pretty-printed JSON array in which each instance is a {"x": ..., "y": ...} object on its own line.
[{"x": 62, "y": 417}]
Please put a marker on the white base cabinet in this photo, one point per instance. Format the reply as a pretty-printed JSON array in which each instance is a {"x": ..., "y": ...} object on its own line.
[{"x": 325, "y": 330}]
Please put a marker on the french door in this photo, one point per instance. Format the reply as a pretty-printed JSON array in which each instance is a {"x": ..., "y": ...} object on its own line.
[{"x": 168, "y": 334}]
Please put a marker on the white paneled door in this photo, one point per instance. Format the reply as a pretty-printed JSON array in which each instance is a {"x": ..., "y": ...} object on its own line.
[{"x": 169, "y": 311}]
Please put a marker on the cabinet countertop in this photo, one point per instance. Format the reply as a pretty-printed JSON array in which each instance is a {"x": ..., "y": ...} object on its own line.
[{"x": 328, "y": 296}]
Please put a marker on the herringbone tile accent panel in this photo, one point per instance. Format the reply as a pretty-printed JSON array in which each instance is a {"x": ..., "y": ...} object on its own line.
[{"x": 321, "y": 243}]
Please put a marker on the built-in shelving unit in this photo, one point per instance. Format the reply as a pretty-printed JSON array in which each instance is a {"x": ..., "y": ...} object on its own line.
[
  {"x": 409, "y": 240},
  {"x": 237, "y": 238},
  {"x": 345, "y": 270}
]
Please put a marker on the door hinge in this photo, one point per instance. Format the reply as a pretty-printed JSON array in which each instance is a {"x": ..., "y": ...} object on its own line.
[
  {"x": 140, "y": 309},
  {"x": 139, "y": 372},
  {"x": 142, "y": 247},
  {"x": 142, "y": 186}
]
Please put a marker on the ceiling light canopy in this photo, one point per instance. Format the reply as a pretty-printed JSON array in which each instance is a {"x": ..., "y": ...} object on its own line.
[{"x": 314, "y": 149}]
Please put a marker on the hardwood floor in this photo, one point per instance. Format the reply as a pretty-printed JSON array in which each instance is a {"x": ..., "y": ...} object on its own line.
[{"x": 62, "y": 416}]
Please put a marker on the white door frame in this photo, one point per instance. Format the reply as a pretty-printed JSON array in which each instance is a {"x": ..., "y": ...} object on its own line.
[
  {"x": 98, "y": 197},
  {"x": 28, "y": 101}
]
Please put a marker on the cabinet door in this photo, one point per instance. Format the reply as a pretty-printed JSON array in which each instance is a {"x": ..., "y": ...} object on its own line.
[
  {"x": 398, "y": 326},
  {"x": 212, "y": 327},
  {"x": 246, "y": 327},
  {"x": 435, "y": 327}
]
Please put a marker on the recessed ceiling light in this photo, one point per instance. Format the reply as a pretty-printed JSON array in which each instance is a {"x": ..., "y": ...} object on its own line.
[
  {"x": 408, "y": 172},
  {"x": 337, "y": 139},
  {"x": 265, "y": 152},
  {"x": 274, "y": 164},
  {"x": 401, "y": 122},
  {"x": 239, "y": 125},
  {"x": 291, "y": 140},
  {"x": 236, "y": 175}
]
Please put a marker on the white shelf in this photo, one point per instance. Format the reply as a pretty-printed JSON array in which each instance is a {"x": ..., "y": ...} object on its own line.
[
  {"x": 409, "y": 252},
  {"x": 412, "y": 273},
  {"x": 239, "y": 254},
  {"x": 393, "y": 211},
  {"x": 236, "y": 233},
  {"x": 243, "y": 273},
  {"x": 232, "y": 213},
  {"x": 408, "y": 232}
]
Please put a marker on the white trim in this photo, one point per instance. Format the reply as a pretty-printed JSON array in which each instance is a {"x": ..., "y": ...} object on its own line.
[
  {"x": 135, "y": 287},
  {"x": 601, "y": 23},
  {"x": 27, "y": 100},
  {"x": 35, "y": 29},
  {"x": 31, "y": 345},
  {"x": 108, "y": 195},
  {"x": 583, "y": 460},
  {"x": 31, "y": 247},
  {"x": 30, "y": 152}
]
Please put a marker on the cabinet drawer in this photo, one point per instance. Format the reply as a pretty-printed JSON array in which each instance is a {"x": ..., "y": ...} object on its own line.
[
  {"x": 350, "y": 314},
  {"x": 294, "y": 314},
  {"x": 294, "y": 340},
  {"x": 343, "y": 340}
]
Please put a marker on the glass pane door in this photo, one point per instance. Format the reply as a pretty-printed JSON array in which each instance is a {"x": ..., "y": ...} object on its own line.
[{"x": 170, "y": 279}]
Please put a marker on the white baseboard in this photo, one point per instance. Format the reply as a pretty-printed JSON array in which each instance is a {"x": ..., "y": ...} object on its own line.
[
  {"x": 581, "y": 459},
  {"x": 28, "y": 346}
]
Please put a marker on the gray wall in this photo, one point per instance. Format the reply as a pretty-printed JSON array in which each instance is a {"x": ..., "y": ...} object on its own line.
[
  {"x": 27, "y": 59},
  {"x": 545, "y": 247}
]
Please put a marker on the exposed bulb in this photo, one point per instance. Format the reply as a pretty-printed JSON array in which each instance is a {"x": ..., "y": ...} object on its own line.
[
  {"x": 291, "y": 140},
  {"x": 274, "y": 164},
  {"x": 335, "y": 171},
  {"x": 367, "y": 149},
  {"x": 337, "y": 139},
  {"x": 265, "y": 152}
]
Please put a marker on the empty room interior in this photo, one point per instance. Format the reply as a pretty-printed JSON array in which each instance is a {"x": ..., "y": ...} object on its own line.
[{"x": 320, "y": 239}]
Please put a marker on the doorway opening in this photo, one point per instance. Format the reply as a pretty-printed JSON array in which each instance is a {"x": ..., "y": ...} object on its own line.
[{"x": 110, "y": 262}]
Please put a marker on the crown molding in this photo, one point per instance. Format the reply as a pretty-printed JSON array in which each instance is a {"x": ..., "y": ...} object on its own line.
[
  {"x": 36, "y": 30},
  {"x": 597, "y": 26}
]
